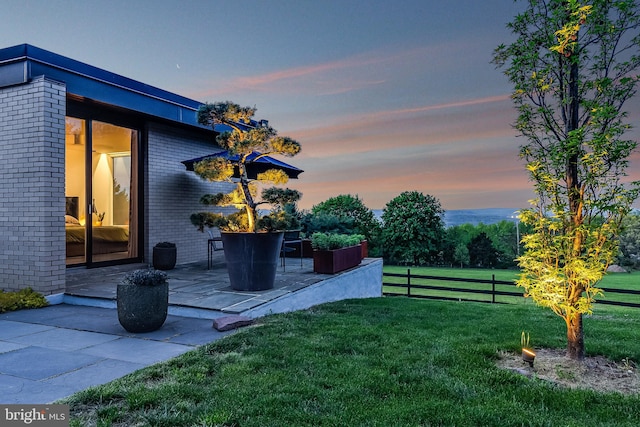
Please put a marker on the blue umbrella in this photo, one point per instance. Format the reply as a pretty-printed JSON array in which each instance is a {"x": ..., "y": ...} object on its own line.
[{"x": 254, "y": 166}]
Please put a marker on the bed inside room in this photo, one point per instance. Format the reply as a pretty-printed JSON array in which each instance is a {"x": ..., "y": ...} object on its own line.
[{"x": 107, "y": 239}]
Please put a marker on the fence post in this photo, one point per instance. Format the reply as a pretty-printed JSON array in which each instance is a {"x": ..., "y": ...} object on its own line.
[
  {"x": 493, "y": 288},
  {"x": 409, "y": 282}
]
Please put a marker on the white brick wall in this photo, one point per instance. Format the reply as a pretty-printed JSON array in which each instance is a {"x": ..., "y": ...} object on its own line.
[
  {"x": 32, "y": 236},
  {"x": 172, "y": 193}
]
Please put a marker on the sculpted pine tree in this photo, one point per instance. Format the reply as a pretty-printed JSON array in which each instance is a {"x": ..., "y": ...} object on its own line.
[
  {"x": 573, "y": 67},
  {"x": 243, "y": 142}
]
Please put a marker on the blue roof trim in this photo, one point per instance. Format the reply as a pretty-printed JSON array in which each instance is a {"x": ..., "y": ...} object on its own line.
[{"x": 94, "y": 83}]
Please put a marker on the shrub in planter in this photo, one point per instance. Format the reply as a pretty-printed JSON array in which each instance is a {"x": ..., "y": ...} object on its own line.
[
  {"x": 335, "y": 252},
  {"x": 143, "y": 300},
  {"x": 164, "y": 256},
  {"x": 247, "y": 161},
  {"x": 330, "y": 241}
]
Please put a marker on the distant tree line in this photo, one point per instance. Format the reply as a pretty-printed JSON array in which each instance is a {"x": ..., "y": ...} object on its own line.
[
  {"x": 629, "y": 247},
  {"x": 412, "y": 232}
]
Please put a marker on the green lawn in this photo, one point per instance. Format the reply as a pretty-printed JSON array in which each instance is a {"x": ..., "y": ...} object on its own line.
[
  {"x": 376, "y": 362},
  {"x": 629, "y": 281}
]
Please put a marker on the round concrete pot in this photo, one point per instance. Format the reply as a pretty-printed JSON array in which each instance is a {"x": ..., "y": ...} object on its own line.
[{"x": 142, "y": 308}]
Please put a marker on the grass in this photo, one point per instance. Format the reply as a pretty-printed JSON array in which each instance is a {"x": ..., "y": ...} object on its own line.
[
  {"x": 627, "y": 281},
  {"x": 374, "y": 362}
]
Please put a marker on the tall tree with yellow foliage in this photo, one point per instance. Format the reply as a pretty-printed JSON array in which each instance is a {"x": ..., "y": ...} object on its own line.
[{"x": 573, "y": 65}]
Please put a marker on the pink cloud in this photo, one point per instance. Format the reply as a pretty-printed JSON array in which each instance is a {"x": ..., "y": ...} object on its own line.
[
  {"x": 491, "y": 167},
  {"x": 436, "y": 125},
  {"x": 328, "y": 78}
]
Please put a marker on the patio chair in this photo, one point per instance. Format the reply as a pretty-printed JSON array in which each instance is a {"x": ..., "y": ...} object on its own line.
[
  {"x": 214, "y": 243},
  {"x": 290, "y": 241}
]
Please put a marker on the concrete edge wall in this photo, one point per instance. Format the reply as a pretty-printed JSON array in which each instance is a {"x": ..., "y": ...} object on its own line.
[{"x": 362, "y": 282}]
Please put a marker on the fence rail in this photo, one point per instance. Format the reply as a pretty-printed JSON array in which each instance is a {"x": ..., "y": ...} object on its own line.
[{"x": 422, "y": 286}]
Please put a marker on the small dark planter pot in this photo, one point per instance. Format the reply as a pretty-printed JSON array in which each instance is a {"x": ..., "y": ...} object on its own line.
[
  {"x": 164, "y": 258},
  {"x": 334, "y": 261},
  {"x": 252, "y": 259},
  {"x": 142, "y": 308}
]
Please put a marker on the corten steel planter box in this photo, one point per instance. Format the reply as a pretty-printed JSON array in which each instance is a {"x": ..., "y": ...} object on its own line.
[
  {"x": 336, "y": 260},
  {"x": 252, "y": 259},
  {"x": 365, "y": 249},
  {"x": 142, "y": 308}
]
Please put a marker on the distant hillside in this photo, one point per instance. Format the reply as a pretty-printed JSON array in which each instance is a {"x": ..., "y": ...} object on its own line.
[
  {"x": 477, "y": 216},
  {"x": 473, "y": 216}
]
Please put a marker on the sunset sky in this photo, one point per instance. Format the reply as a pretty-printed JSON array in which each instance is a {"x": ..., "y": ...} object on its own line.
[{"x": 384, "y": 96}]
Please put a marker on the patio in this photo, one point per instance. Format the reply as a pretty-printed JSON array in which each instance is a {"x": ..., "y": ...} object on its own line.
[{"x": 195, "y": 291}]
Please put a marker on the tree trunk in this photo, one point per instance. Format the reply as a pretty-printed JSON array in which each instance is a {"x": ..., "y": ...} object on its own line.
[{"x": 575, "y": 337}]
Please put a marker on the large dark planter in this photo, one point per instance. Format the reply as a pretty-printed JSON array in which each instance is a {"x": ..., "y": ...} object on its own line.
[
  {"x": 333, "y": 261},
  {"x": 142, "y": 308},
  {"x": 252, "y": 259},
  {"x": 164, "y": 258}
]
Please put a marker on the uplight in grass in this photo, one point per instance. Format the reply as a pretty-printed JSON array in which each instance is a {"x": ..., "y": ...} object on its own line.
[{"x": 528, "y": 356}]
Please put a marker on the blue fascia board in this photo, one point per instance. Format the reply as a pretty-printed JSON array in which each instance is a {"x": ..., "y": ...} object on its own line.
[{"x": 87, "y": 81}]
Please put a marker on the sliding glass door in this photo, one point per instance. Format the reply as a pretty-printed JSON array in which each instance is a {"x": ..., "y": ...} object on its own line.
[{"x": 102, "y": 191}]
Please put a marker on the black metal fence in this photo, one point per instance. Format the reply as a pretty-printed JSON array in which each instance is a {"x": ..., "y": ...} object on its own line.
[{"x": 424, "y": 286}]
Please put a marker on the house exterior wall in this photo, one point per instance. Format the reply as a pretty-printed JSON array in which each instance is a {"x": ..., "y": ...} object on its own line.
[
  {"x": 32, "y": 169},
  {"x": 35, "y": 86},
  {"x": 32, "y": 204},
  {"x": 172, "y": 193}
]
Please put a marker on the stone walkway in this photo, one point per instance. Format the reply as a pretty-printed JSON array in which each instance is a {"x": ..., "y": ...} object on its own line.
[{"x": 52, "y": 352}]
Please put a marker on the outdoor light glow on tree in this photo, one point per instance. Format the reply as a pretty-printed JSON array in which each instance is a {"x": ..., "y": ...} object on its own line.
[
  {"x": 573, "y": 66},
  {"x": 244, "y": 141}
]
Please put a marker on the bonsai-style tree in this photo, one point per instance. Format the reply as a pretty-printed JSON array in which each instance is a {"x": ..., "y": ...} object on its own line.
[
  {"x": 573, "y": 67},
  {"x": 246, "y": 143}
]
